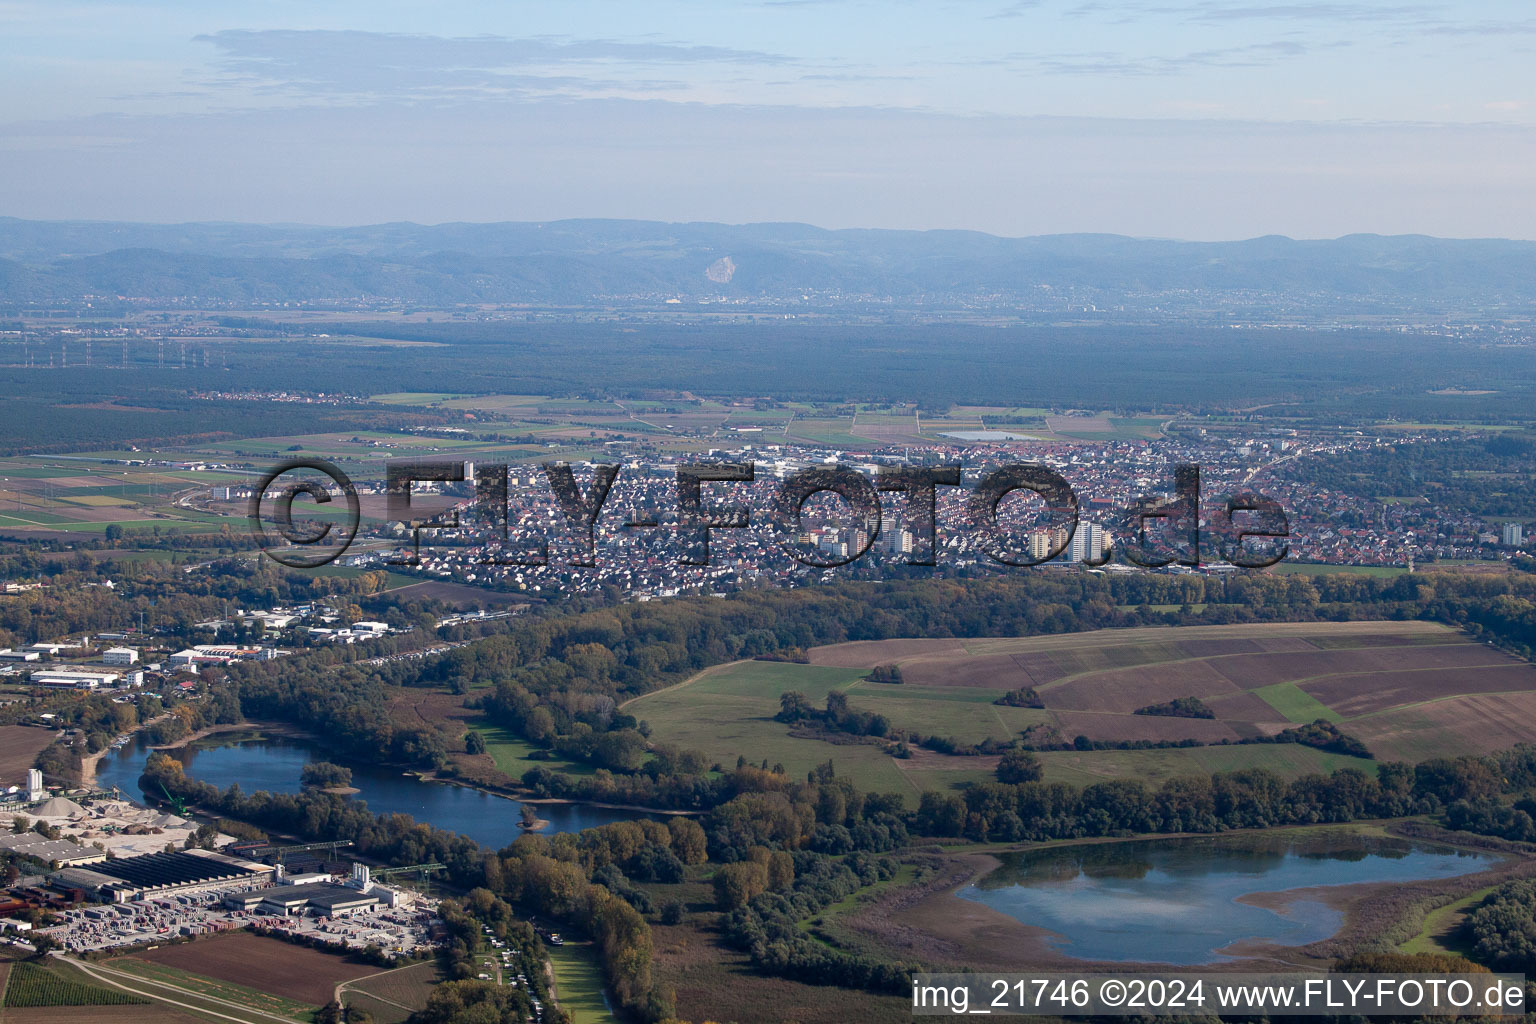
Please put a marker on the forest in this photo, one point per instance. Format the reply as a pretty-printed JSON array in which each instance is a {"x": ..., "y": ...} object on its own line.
[{"x": 1486, "y": 476}]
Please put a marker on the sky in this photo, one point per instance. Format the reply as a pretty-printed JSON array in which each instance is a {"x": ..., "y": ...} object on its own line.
[{"x": 1197, "y": 119}]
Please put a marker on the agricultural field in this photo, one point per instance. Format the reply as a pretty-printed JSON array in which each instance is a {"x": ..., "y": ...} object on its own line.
[
  {"x": 837, "y": 432},
  {"x": 1104, "y": 427},
  {"x": 29, "y": 984},
  {"x": 294, "y": 974},
  {"x": 1083, "y": 768},
  {"x": 87, "y": 495},
  {"x": 412, "y": 398},
  {"x": 139, "y": 1013},
  {"x": 177, "y": 984},
  {"x": 19, "y": 747},
  {"x": 575, "y": 420},
  {"x": 90, "y": 491},
  {"x": 1408, "y": 690},
  {"x": 728, "y": 711},
  {"x": 393, "y": 995}
]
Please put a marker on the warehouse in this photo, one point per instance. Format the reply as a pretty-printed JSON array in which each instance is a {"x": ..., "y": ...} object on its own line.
[
  {"x": 340, "y": 901},
  {"x": 323, "y": 898},
  {"x": 74, "y": 679},
  {"x": 50, "y": 851},
  {"x": 155, "y": 874}
]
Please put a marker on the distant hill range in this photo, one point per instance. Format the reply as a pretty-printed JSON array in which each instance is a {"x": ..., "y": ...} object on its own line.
[{"x": 581, "y": 262}]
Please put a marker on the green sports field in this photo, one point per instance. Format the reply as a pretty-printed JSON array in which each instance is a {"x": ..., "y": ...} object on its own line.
[{"x": 579, "y": 983}]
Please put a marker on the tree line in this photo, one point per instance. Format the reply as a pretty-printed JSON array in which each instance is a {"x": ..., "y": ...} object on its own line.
[{"x": 1248, "y": 798}]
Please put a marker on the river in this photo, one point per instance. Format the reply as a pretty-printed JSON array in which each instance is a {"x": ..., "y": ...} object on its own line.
[{"x": 274, "y": 763}]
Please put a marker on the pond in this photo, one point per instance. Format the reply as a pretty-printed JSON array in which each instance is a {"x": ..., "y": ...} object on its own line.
[
  {"x": 274, "y": 763},
  {"x": 1179, "y": 901}
]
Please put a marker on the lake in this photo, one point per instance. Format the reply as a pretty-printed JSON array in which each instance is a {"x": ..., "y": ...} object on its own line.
[
  {"x": 274, "y": 763},
  {"x": 1176, "y": 900}
]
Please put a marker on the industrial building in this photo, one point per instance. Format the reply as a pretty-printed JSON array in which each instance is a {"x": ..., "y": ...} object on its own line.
[
  {"x": 50, "y": 851},
  {"x": 156, "y": 874},
  {"x": 324, "y": 898},
  {"x": 16, "y": 798},
  {"x": 74, "y": 678},
  {"x": 317, "y": 893},
  {"x": 203, "y": 655}
]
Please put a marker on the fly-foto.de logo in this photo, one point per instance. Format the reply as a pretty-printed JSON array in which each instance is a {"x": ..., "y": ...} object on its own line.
[{"x": 1246, "y": 529}]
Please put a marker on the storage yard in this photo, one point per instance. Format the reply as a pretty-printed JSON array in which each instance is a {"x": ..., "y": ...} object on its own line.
[
  {"x": 403, "y": 930},
  {"x": 125, "y": 829}
]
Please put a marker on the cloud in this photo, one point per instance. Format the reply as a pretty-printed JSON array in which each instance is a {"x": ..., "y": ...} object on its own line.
[
  {"x": 852, "y": 76},
  {"x": 376, "y": 65},
  {"x": 1211, "y": 12},
  {"x": 1015, "y": 10},
  {"x": 1429, "y": 19},
  {"x": 1214, "y": 12},
  {"x": 1108, "y": 63},
  {"x": 1483, "y": 28}
]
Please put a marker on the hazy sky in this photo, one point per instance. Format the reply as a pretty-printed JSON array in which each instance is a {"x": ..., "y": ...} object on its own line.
[{"x": 1183, "y": 118}]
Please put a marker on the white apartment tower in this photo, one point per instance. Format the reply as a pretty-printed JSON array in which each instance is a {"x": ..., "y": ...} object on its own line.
[{"x": 1087, "y": 543}]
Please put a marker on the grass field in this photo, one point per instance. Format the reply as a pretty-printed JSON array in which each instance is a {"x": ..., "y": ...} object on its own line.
[
  {"x": 1409, "y": 690},
  {"x": 579, "y": 983},
  {"x": 411, "y": 398},
  {"x": 1320, "y": 569},
  {"x": 1442, "y": 925},
  {"x": 511, "y": 752}
]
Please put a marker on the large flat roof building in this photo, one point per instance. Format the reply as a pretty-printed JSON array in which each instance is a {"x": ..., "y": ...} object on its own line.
[
  {"x": 324, "y": 898},
  {"x": 75, "y": 678},
  {"x": 154, "y": 874},
  {"x": 50, "y": 851}
]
